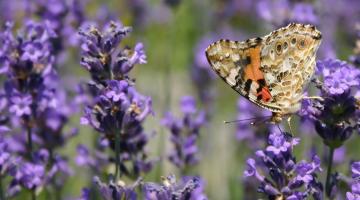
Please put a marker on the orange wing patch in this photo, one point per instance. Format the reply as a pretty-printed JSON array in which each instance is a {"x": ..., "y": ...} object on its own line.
[{"x": 252, "y": 72}]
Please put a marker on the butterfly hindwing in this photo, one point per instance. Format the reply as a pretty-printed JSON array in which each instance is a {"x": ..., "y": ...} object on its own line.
[{"x": 288, "y": 62}]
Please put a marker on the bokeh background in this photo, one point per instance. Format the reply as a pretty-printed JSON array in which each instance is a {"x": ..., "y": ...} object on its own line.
[{"x": 175, "y": 34}]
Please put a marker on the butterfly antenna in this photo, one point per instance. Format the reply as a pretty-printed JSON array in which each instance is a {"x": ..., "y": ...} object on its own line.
[
  {"x": 278, "y": 125},
  {"x": 248, "y": 119},
  {"x": 264, "y": 120}
]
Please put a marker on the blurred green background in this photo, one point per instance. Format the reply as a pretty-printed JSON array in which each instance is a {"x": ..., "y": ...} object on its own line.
[{"x": 170, "y": 36}]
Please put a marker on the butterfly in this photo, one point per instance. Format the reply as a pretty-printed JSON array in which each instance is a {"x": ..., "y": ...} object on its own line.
[{"x": 270, "y": 71}]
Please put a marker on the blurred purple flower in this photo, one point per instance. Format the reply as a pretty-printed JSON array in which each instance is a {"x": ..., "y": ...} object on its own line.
[
  {"x": 85, "y": 194},
  {"x": 202, "y": 74},
  {"x": 190, "y": 188},
  {"x": 275, "y": 12},
  {"x": 30, "y": 175},
  {"x": 95, "y": 160},
  {"x": 355, "y": 58},
  {"x": 286, "y": 177},
  {"x": 250, "y": 135},
  {"x": 83, "y": 157},
  {"x": 63, "y": 17},
  {"x": 340, "y": 155},
  {"x": 140, "y": 11},
  {"x": 355, "y": 185},
  {"x": 304, "y": 13},
  {"x": 8, "y": 161},
  {"x": 185, "y": 133},
  {"x": 280, "y": 13}
]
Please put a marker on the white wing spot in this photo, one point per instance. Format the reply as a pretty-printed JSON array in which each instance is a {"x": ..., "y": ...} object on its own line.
[{"x": 235, "y": 57}]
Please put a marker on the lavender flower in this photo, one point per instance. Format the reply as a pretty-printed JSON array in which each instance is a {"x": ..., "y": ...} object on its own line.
[
  {"x": 286, "y": 177},
  {"x": 101, "y": 57},
  {"x": 185, "y": 133},
  {"x": 188, "y": 188},
  {"x": 117, "y": 110},
  {"x": 355, "y": 185},
  {"x": 33, "y": 99},
  {"x": 114, "y": 191},
  {"x": 335, "y": 117}
]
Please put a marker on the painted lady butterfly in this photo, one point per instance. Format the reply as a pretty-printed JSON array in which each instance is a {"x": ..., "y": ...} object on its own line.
[{"x": 270, "y": 71}]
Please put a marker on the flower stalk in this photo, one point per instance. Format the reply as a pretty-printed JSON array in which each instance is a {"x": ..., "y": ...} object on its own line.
[
  {"x": 33, "y": 194},
  {"x": 328, "y": 185},
  {"x": 2, "y": 195},
  {"x": 117, "y": 149},
  {"x": 29, "y": 142}
]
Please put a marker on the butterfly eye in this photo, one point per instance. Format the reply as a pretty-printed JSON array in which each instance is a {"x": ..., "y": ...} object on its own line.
[{"x": 293, "y": 41}]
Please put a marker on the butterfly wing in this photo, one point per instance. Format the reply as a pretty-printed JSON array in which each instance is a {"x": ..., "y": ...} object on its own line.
[
  {"x": 238, "y": 64},
  {"x": 288, "y": 63},
  {"x": 270, "y": 71}
]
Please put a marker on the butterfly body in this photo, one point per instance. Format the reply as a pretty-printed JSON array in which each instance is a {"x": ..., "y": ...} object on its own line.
[{"x": 270, "y": 71}]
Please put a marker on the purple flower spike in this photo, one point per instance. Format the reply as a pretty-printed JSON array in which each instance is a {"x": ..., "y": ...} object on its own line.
[
  {"x": 36, "y": 110},
  {"x": 117, "y": 108},
  {"x": 185, "y": 133},
  {"x": 334, "y": 117},
  {"x": 101, "y": 55},
  {"x": 285, "y": 177}
]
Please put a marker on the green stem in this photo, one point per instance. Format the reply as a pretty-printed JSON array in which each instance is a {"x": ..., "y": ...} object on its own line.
[
  {"x": 29, "y": 142},
  {"x": 118, "y": 133},
  {"x": 117, "y": 153},
  {"x": 33, "y": 194},
  {"x": 2, "y": 194},
  {"x": 328, "y": 173}
]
